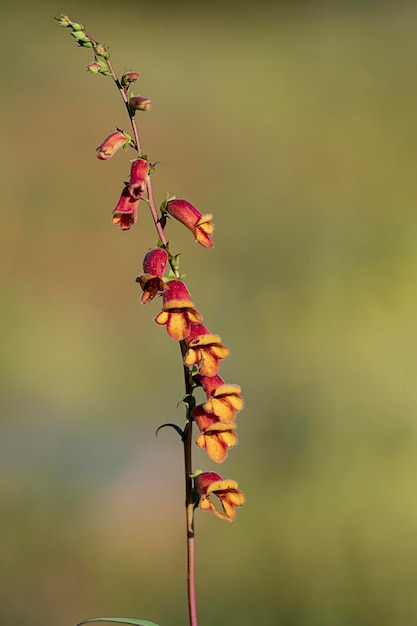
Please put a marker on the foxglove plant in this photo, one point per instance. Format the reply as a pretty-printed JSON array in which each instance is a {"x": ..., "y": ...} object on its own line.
[{"x": 201, "y": 350}]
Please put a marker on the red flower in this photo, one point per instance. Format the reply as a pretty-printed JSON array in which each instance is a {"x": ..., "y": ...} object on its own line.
[
  {"x": 204, "y": 350},
  {"x": 178, "y": 312},
  {"x": 223, "y": 400},
  {"x": 126, "y": 212},
  {"x": 111, "y": 145},
  {"x": 154, "y": 265},
  {"x": 199, "y": 224},
  {"x": 215, "y": 436},
  {"x": 227, "y": 491},
  {"x": 138, "y": 176}
]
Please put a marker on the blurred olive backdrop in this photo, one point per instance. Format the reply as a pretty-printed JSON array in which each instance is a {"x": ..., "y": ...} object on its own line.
[{"x": 295, "y": 124}]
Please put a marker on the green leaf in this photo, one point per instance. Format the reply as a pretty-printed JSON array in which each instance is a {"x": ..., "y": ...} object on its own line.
[
  {"x": 174, "y": 426},
  {"x": 119, "y": 620}
]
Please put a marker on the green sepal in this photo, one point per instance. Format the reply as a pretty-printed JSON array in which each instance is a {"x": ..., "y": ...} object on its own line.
[
  {"x": 196, "y": 473},
  {"x": 119, "y": 620},
  {"x": 85, "y": 44},
  {"x": 174, "y": 426}
]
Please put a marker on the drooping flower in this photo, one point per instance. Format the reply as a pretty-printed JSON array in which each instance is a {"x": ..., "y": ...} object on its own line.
[
  {"x": 223, "y": 400},
  {"x": 204, "y": 350},
  {"x": 111, "y": 144},
  {"x": 199, "y": 224},
  {"x": 126, "y": 211},
  {"x": 178, "y": 312},
  {"x": 138, "y": 175},
  {"x": 215, "y": 436},
  {"x": 154, "y": 265},
  {"x": 210, "y": 483}
]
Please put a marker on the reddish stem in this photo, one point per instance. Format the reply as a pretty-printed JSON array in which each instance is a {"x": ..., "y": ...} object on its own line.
[{"x": 189, "y": 502}]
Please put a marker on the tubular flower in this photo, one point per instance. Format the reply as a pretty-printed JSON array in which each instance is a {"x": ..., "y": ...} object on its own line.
[
  {"x": 223, "y": 400},
  {"x": 178, "y": 312},
  {"x": 111, "y": 145},
  {"x": 199, "y": 224},
  {"x": 230, "y": 496},
  {"x": 154, "y": 265},
  {"x": 138, "y": 175},
  {"x": 204, "y": 350},
  {"x": 215, "y": 436},
  {"x": 126, "y": 211}
]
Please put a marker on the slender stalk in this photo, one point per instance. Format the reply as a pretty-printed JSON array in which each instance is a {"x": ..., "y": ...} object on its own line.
[{"x": 189, "y": 503}]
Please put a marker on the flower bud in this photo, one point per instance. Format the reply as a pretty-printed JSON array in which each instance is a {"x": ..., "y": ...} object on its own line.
[
  {"x": 155, "y": 262},
  {"x": 128, "y": 78},
  {"x": 101, "y": 51},
  {"x": 80, "y": 36},
  {"x": 138, "y": 175},
  {"x": 139, "y": 103},
  {"x": 110, "y": 145},
  {"x": 94, "y": 67}
]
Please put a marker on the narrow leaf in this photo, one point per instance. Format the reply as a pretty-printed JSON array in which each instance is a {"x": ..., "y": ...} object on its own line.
[
  {"x": 119, "y": 620},
  {"x": 174, "y": 426}
]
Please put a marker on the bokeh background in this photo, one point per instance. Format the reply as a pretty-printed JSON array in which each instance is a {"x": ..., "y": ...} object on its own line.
[{"x": 295, "y": 124}]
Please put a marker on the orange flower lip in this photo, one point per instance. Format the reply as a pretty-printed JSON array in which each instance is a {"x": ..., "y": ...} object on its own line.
[
  {"x": 204, "y": 350},
  {"x": 223, "y": 400},
  {"x": 210, "y": 483},
  {"x": 178, "y": 312},
  {"x": 215, "y": 436}
]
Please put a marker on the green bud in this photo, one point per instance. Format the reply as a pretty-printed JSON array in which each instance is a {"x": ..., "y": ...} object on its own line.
[
  {"x": 79, "y": 35},
  {"x": 85, "y": 44},
  {"x": 63, "y": 20},
  {"x": 76, "y": 26}
]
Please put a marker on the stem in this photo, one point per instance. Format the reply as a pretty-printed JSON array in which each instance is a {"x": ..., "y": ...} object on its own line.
[{"x": 189, "y": 502}]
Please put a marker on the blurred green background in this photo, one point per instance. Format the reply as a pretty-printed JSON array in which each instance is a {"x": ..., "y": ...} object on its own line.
[{"x": 295, "y": 124}]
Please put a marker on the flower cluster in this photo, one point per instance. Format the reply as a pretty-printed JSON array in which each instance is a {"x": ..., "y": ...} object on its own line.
[{"x": 202, "y": 353}]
